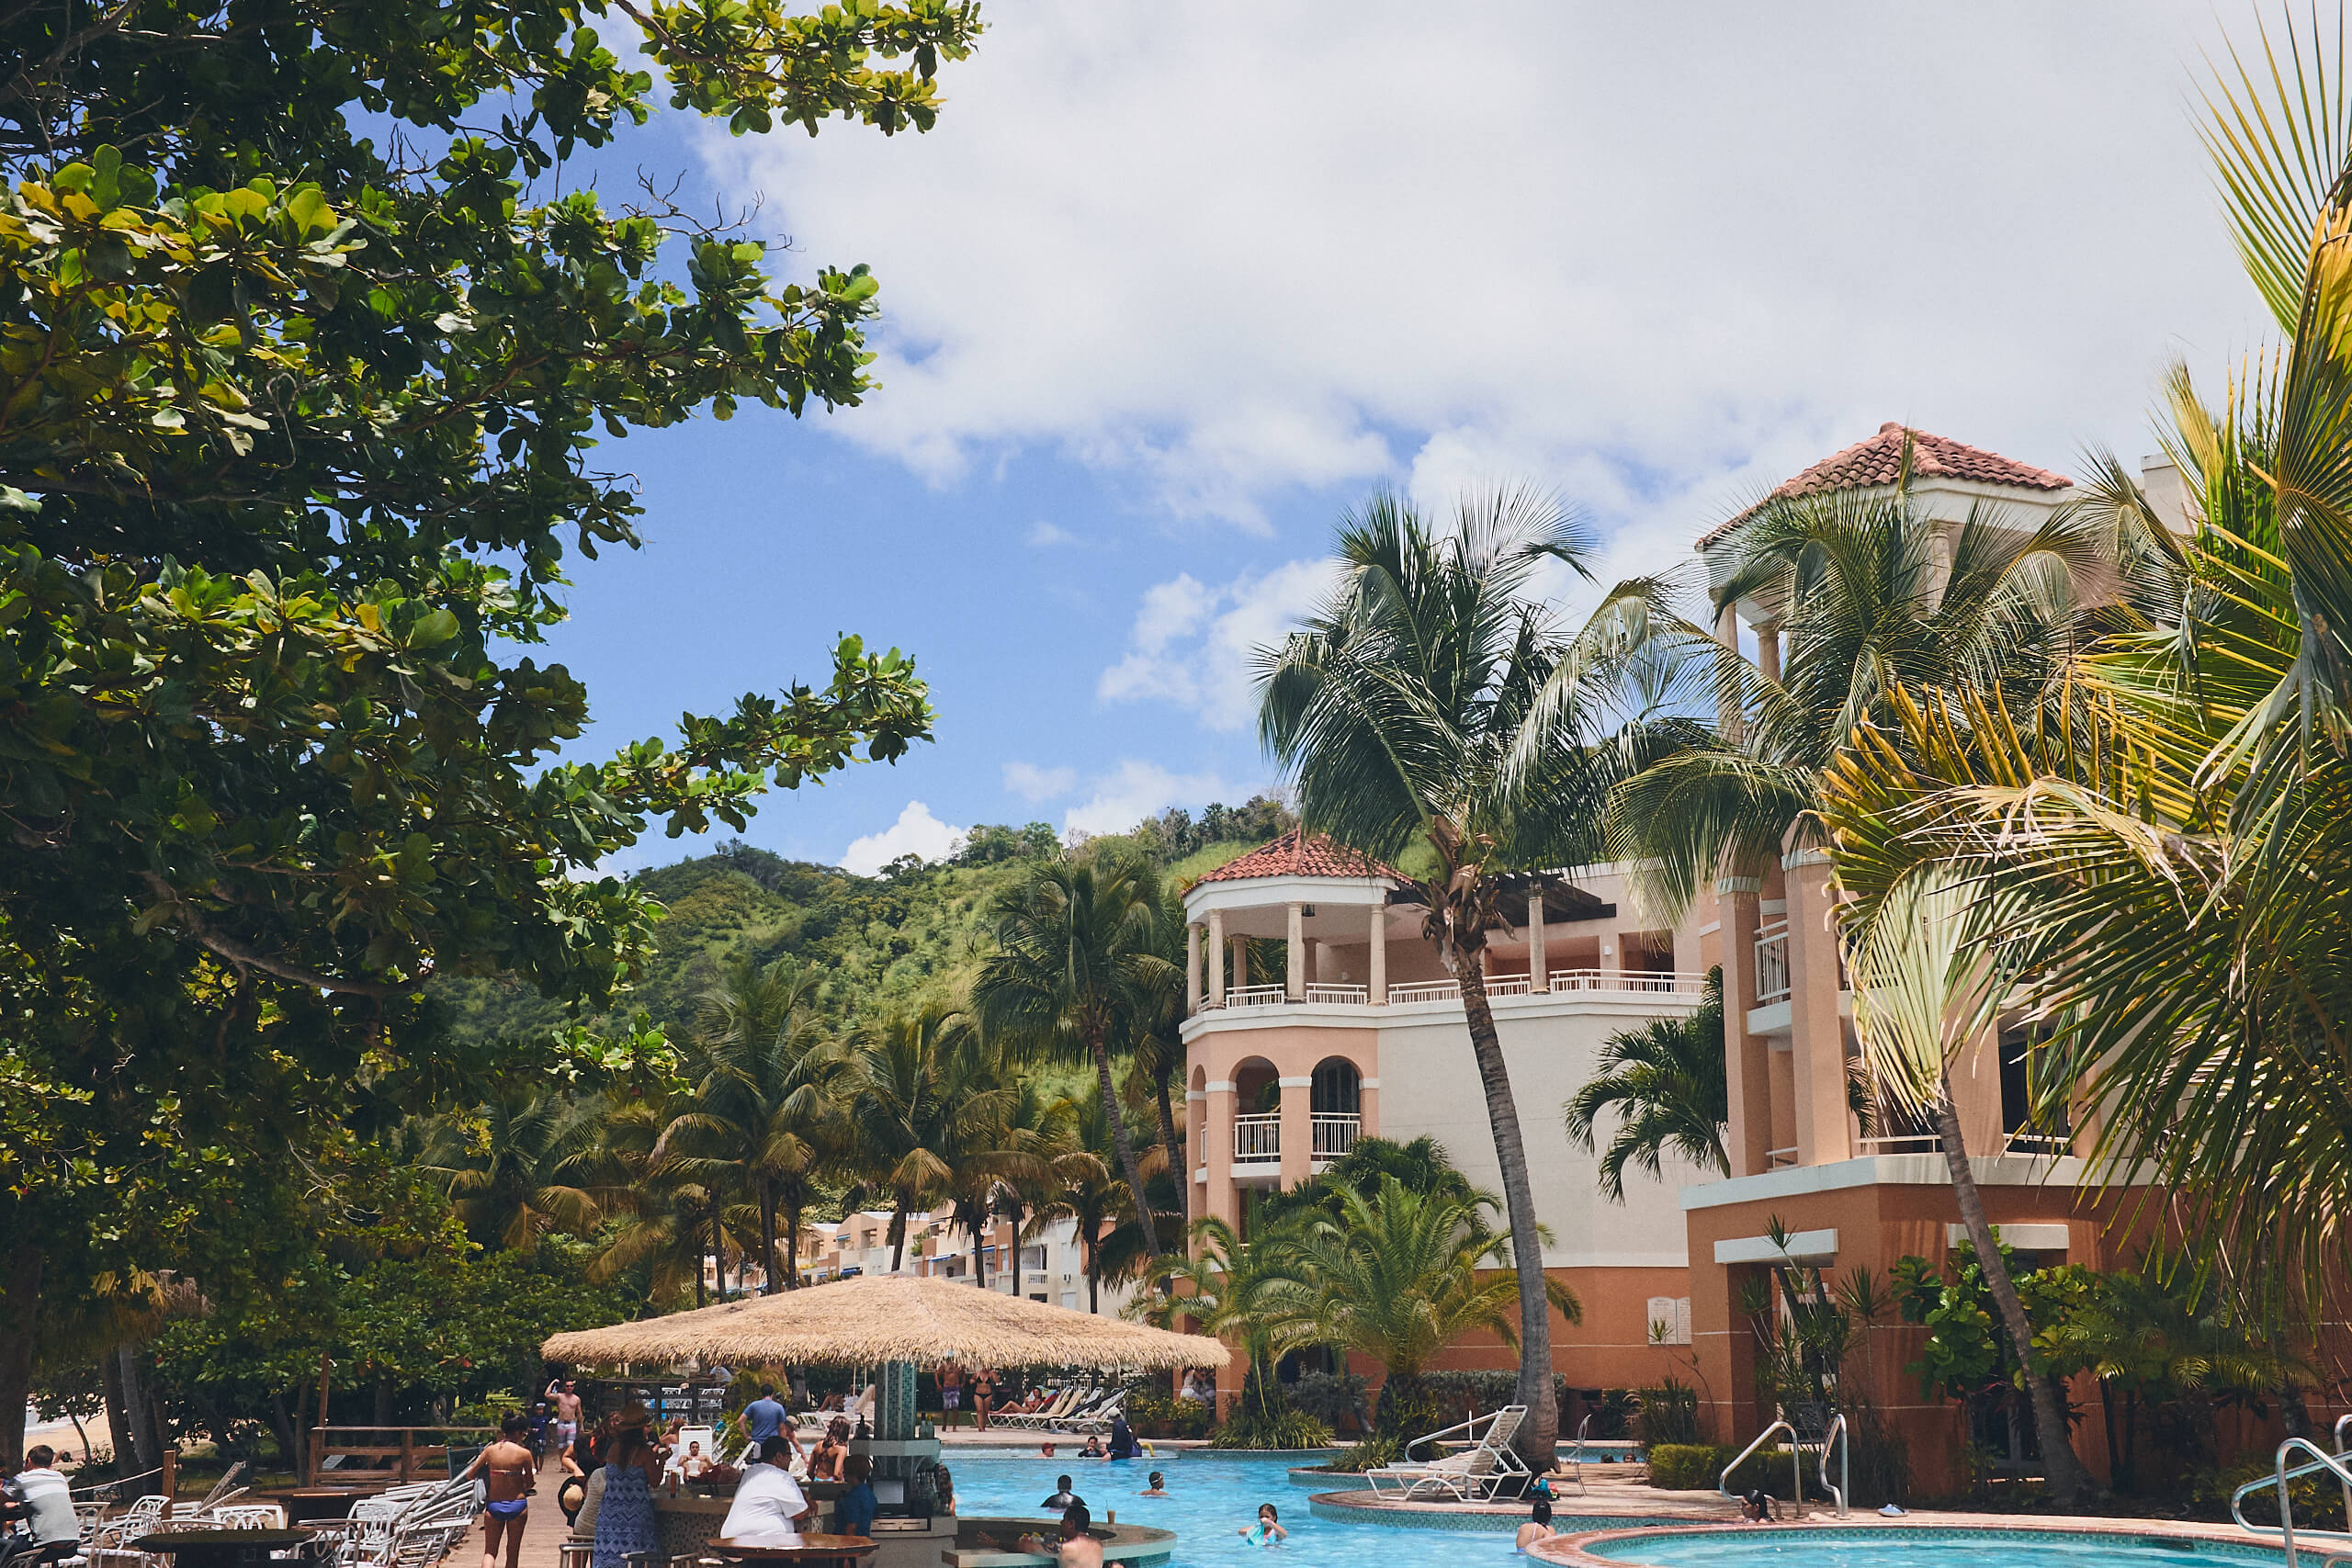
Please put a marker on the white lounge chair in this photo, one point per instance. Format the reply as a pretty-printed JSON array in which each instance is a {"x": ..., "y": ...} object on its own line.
[
  {"x": 1484, "y": 1462},
  {"x": 1054, "y": 1410},
  {"x": 1098, "y": 1419}
]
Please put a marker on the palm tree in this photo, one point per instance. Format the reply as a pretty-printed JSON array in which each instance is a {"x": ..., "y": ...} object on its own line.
[
  {"x": 1432, "y": 705},
  {"x": 1669, "y": 1084},
  {"x": 513, "y": 1165},
  {"x": 666, "y": 1224},
  {"x": 1397, "y": 1277},
  {"x": 1077, "y": 964},
  {"x": 1156, "y": 1057},
  {"x": 1224, "y": 1286},
  {"x": 766, "y": 1111},
  {"x": 2170, "y": 888},
  {"x": 1422, "y": 1165},
  {"x": 930, "y": 1110},
  {"x": 1089, "y": 1193}
]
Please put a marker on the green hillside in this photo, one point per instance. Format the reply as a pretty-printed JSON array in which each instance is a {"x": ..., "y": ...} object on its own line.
[{"x": 900, "y": 940}]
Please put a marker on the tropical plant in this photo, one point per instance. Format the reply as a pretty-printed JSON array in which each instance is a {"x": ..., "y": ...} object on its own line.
[
  {"x": 1422, "y": 1165},
  {"x": 766, "y": 1114},
  {"x": 1076, "y": 965},
  {"x": 667, "y": 1224},
  {"x": 1397, "y": 1277},
  {"x": 929, "y": 1111},
  {"x": 1432, "y": 705},
  {"x": 1667, "y": 1084},
  {"x": 514, "y": 1166},
  {"x": 1224, "y": 1287},
  {"x": 1089, "y": 1193}
]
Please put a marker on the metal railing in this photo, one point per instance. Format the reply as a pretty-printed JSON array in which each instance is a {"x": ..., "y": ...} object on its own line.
[
  {"x": 2026, "y": 1141},
  {"x": 1901, "y": 1144},
  {"x": 1254, "y": 996},
  {"x": 1509, "y": 985},
  {"x": 1642, "y": 982},
  {"x": 1557, "y": 982},
  {"x": 1425, "y": 991},
  {"x": 1257, "y": 1139},
  {"x": 1576, "y": 1455},
  {"x": 1334, "y": 1135},
  {"x": 1775, "y": 1158},
  {"x": 1359, "y": 996},
  {"x": 1772, "y": 965},
  {"x": 2337, "y": 1465},
  {"x": 1841, "y": 1435},
  {"x": 1797, "y": 1467}
]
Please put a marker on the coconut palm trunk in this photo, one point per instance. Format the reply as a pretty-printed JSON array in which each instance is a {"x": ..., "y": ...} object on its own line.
[
  {"x": 2063, "y": 1469},
  {"x": 1129, "y": 1167},
  {"x": 1176, "y": 1161},
  {"x": 1543, "y": 1422}
]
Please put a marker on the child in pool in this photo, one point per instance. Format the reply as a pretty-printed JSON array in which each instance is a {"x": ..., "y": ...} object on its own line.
[
  {"x": 1155, "y": 1489},
  {"x": 1267, "y": 1530}
]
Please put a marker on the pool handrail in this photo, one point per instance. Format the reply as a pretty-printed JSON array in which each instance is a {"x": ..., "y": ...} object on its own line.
[
  {"x": 2339, "y": 1465},
  {"x": 1797, "y": 1467},
  {"x": 2343, "y": 1446},
  {"x": 1576, "y": 1455},
  {"x": 1843, "y": 1436}
]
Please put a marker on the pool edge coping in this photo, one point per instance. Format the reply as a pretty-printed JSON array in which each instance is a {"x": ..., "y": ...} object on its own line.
[{"x": 1568, "y": 1551}]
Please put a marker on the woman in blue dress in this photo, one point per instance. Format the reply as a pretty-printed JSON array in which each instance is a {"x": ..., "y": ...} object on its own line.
[{"x": 625, "y": 1522}]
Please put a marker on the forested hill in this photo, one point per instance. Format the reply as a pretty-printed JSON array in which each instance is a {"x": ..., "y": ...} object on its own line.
[{"x": 907, "y": 937}]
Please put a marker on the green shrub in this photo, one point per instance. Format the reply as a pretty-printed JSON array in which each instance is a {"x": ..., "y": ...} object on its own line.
[
  {"x": 1667, "y": 1414},
  {"x": 1684, "y": 1467},
  {"x": 1336, "y": 1399},
  {"x": 1767, "y": 1468},
  {"x": 1282, "y": 1429},
  {"x": 1370, "y": 1454},
  {"x": 1154, "y": 1412}
]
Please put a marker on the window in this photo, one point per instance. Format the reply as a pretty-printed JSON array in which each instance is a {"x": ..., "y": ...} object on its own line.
[
  {"x": 2017, "y": 1047},
  {"x": 1336, "y": 1089}
]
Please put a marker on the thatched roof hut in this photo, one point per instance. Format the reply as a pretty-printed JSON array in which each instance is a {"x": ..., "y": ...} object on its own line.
[{"x": 887, "y": 1317}]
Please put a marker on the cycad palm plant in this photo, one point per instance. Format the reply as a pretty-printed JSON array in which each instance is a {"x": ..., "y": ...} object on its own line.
[
  {"x": 1667, "y": 1084},
  {"x": 1076, "y": 965},
  {"x": 1397, "y": 1275},
  {"x": 1433, "y": 706}
]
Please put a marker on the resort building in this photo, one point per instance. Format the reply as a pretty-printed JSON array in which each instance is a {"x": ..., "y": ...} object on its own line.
[
  {"x": 1045, "y": 1262},
  {"x": 1320, "y": 1013}
]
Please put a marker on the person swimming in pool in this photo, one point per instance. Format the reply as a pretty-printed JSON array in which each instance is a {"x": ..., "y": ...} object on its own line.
[
  {"x": 1756, "y": 1507},
  {"x": 1155, "y": 1489},
  {"x": 1538, "y": 1525},
  {"x": 1267, "y": 1530}
]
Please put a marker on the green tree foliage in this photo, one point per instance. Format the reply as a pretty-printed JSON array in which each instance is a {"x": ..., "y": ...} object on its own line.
[
  {"x": 1667, "y": 1083},
  {"x": 300, "y": 372}
]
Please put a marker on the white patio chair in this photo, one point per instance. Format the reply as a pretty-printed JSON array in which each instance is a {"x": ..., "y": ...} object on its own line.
[
  {"x": 133, "y": 1522},
  {"x": 1051, "y": 1411},
  {"x": 1470, "y": 1475},
  {"x": 1098, "y": 1419}
]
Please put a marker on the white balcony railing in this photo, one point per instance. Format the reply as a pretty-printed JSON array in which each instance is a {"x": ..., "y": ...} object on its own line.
[
  {"x": 1255, "y": 996},
  {"x": 1772, "y": 965},
  {"x": 1425, "y": 991},
  {"x": 1356, "y": 996},
  {"x": 1641, "y": 982},
  {"x": 1258, "y": 1139},
  {"x": 1775, "y": 1158},
  {"x": 1335, "y": 1135},
  {"x": 1509, "y": 985},
  {"x": 1901, "y": 1144}
]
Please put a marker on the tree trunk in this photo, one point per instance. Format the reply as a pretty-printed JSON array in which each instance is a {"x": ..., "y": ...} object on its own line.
[
  {"x": 898, "y": 1235},
  {"x": 145, "y": 1451},
  {"x": 979, "y": 1261},
  {"x": 1539, "y": 1433},
  {"x": 1119, "y": 1140},
  {"x": 20, "y": 1315},
  {"x": 1179, "y": 1162},
  {"x": 126, "y": 1448},
  {"x": 767, "y": 1239},
  {"x": 792, "y": 1251},
  {"x": 2063, "y": 1469}
]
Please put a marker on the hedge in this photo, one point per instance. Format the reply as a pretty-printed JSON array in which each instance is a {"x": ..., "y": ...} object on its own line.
[{"x": 1698, "y": 1467}]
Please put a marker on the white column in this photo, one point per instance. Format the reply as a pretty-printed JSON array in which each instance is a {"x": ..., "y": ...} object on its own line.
[
  {"x": 1216, "y": 958},
  {"x": 1192, "y": 968},
  {"x": 1535, "y": 970},
  {"x": 1379, "y": 956},
  {"x": 1240, "y": 963},
  {"x": 1294, "y": 965}
]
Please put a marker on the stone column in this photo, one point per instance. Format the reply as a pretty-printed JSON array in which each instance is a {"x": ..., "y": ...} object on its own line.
[
  {"x": 1536, "y": 972},
  {"x": 1192, "y": 968},
  {"x": 1816, "y": 1034},
  {"x": 1747, "y": 1057},
  {"x": 1295, "y": 958},
  {"x": 1216, "y": 958},
  {"x": 1377, "y": 956},
  {"x": 1368, "y": 1107},
  {"x": 1768, "y": 650},
  {"x": 1218, "y": 1197},
  {"x": 1297, "y": 1108},
  {"x": 1241, "y": 963}
]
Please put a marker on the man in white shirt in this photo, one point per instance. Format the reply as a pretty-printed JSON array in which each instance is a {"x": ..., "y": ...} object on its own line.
[
  {"x": 768, "y": 1502},
  {"x": 48, "y": 1506}
]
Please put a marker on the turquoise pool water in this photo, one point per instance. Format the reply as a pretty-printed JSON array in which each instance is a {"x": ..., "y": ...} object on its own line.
[
  {"x": 1867, "y": 1548},
  {"x": 1211, "y": 1496}
]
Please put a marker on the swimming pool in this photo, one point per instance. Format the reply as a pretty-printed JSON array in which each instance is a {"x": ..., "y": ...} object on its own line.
[
  {"x": 1211, "y": 1495},
  {"x": 1926, "y": 1547}
]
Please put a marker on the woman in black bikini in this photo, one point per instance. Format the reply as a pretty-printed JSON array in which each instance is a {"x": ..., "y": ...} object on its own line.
[{"x": 508, "y": 1469}]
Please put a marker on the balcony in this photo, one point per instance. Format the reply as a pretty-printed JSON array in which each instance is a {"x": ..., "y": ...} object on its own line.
[
  {"x": 1561, "y": 982},
  {"x": 1772, "y": 965},
  {"x": 1258, "y": 1139},
  {"x": 1335, "y": 1135}
]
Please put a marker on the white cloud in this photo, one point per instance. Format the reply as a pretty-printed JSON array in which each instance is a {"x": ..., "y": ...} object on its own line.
[
  {"x": 1044, "y": 535},
  {"x": 1135, "y": 790},
  {"x": 1196, "y": 645},
  {"x": 916, "y": 831},
  {"x": 1034, "y": 784},
  {"x": 1204, "y": 248}
]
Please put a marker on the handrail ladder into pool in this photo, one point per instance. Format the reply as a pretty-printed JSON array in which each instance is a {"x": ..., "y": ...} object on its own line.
[
  {"x": 1843, "y": 1436},
  {"x": 1486, "y": 1462},
  {"x": 1576, "y": 1455},
  {"x": 2339, "y": 1465},
  {"x": 1796, "y": 1466},
  {"x": 2344, "y": 1447}
]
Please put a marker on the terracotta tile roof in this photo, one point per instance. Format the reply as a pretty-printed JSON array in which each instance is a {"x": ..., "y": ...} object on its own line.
[
  {"x": 1298, "y": 854},
  {"x": 1877, "y": 460}
]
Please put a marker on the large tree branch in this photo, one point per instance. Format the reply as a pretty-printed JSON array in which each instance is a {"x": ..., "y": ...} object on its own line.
[{"x": 248, "y": 957}]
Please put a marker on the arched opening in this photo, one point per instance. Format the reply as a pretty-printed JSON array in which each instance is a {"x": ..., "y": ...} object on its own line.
[{"x": 1335, "y": 1103}]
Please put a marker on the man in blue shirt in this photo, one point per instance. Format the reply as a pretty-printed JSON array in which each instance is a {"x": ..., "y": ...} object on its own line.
[{"x": 764, "y": 1417}]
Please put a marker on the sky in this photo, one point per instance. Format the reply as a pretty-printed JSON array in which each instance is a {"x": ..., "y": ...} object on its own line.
[{"x": 1169, "y": 288}]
